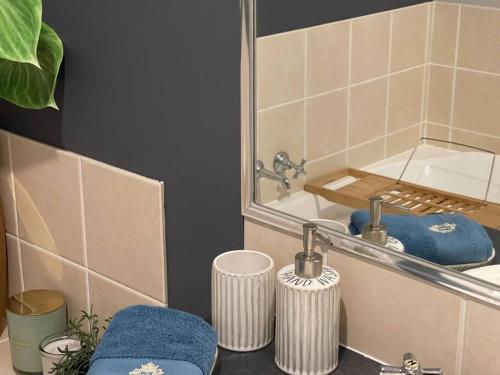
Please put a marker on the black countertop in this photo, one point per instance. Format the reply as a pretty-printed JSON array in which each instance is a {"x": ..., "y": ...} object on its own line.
[{"x": 261, "y": 362}]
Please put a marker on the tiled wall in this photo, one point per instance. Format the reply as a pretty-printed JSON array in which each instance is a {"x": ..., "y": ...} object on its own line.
[
  {"x": 354, "y": 92},
  {"x": 385, "y": 314},
  {"x": 347, "y": 93},
  {"x": 464, "y": 80},
  {"x": 89, "y": 230}
]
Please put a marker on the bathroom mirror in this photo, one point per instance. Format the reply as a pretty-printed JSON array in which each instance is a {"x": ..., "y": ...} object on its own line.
[{"x": 396, "y": 100}]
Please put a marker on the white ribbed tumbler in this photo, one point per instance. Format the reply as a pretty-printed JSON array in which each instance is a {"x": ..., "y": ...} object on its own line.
[{"x": 243, "y": 299}]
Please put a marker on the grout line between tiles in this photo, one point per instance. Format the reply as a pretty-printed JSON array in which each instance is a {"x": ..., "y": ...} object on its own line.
[
  {"x": 343, "y": 151},
  {"x": 470, "y": 70},
  {"x": 388, "y": 85},
  {"x": 462, "y": 323},
  {"x": 454, "y": 84},
  {"x": 485, "y": 7},
  {"x": 349, "y": 81},
  {"x": 84, "y": 233},
  {"x": 118, "y": 170},
  {"x": 16, "y": 219},
  {"x": 466, "y": 130},
  {"x": 12, "y": 182},
  {"x": 427, "y": 70},
  {"x": 127, "y": 288},
  {"x": 304, "y": 114},
  {"x": 385, "y": 76},
  {"x": 346, "y": 150},
  {"x": 91, "y": 272},
  {"x": 19, "y": 258},
  {"x": 341, "y": 21}
]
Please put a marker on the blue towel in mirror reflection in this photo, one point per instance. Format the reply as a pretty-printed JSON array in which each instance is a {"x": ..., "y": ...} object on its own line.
[
  {"x": 155, "y": 341},
  {"x": 446, "y": 239}
]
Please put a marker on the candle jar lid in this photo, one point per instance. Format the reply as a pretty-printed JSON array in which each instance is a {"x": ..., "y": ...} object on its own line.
[{"x": 35, "y": 302}]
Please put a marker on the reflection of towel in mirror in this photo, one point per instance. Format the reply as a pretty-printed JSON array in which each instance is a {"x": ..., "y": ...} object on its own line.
[
  {"x": 446, "y": 239},
  {"x": 156, "y": 340}
]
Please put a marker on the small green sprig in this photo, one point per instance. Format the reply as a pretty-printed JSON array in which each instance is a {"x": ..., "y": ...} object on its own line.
[{"x": 77, "y": 362}]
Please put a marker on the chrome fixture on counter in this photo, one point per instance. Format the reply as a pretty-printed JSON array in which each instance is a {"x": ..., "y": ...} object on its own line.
[
  {"x": 308, "y": 263},
  {"x": 410, "y": 367},
  {"x": 307, "y": 293},
  {"x": 375, "y": 231},
  {"x": 261, "y": 171},
  {"x": 282, "y": 163}
]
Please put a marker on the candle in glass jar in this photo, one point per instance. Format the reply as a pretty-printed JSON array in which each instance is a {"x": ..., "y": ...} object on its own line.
[{"x": 51, "y": 347}]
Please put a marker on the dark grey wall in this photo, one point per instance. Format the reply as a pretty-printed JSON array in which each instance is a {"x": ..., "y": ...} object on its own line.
[
  {"x": 276, "y": 16},
  {"x": 152, "y": 86}
]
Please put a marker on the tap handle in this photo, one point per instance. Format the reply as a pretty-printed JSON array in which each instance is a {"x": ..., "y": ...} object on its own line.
[
  {"x": 282, "y": 163},
  {"x": 299, "y": 168},
  {"x": 410, "y": 367}
]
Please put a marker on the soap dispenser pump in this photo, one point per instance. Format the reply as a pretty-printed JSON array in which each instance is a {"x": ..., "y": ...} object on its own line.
[{"x": 307, "y": 311}]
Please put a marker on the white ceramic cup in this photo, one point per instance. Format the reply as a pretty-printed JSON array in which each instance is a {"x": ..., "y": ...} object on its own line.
[{"x": 243, "y": 299}]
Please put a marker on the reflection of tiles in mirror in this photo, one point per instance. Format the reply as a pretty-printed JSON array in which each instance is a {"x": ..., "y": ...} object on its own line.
[{"x": 451, "y": 99}]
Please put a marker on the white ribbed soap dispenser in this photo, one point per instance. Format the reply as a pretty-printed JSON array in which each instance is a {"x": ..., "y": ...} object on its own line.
[{"x": 307, "y": 312}]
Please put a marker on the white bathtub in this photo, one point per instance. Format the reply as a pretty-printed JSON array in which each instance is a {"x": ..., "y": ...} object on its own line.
[{"x": 464, "y": 173}]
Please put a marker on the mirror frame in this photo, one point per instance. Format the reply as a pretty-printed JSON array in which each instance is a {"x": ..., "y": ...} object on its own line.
[{"x": 453, "y": 280}]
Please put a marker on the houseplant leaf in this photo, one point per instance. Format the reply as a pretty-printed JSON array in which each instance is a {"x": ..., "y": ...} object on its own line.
[
  {"x": 28, "y": 86},
  {"x": 20, "y": 23}
]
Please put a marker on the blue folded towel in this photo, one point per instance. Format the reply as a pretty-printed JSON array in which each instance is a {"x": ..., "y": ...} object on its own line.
[
  {"x": 446, "y": 239},
  {"x": 140, "y": 336}
]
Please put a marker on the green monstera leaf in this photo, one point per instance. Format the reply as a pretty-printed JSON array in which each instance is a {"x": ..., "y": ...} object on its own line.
[
  {"x": 25, "y": 84},
  {"x": 20, "y": 23}
]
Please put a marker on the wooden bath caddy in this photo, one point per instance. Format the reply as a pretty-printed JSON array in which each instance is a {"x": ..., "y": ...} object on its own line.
[{"x": 419, "y": 199}]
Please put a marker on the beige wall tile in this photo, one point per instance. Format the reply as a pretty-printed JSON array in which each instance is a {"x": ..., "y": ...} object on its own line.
[
  {"x": 477, "y": 140},
  {"x": 43, "y": 271},
  {"x": 476, "y": 102},
  {"x": 482, "y": 340},
  {"x": 438, "y": 132},
  {"x": 7, "y": 185},
  {"x": 14, "y": 266},
  {"x": 409, "y": 37},
  {"x": 405, "y": 99},
  {"x": 444, "y": 36},
  {"x": 372, "y": 301},
  {"x": 109, "y": 297},
  {"x": 270, "y": 190},
  {"x": 280, "y": 129},
  {"x": 403, "y": 140},
  {"x": 47, "y": 186},
  {"x": 479, "y": 35},
  {"x": 328, "y": 164},
  {"x": 327, "y": 57},
  {"x": 370, "y": 47},
  {"x": 366, "y": 154},
  {"x": 280, "y": 68},
  {"x": 367, "y": 111},
  {"x": 125, "y": 229},
  {"x": 440, "y": 94},
  {"x": 326, "y": 124}
]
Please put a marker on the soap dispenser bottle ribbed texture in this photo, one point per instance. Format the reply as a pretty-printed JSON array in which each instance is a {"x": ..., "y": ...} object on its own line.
[{"x": 307, "y": 313}]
